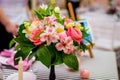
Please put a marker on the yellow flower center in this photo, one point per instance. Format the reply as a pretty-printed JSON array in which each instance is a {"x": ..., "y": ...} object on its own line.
[
  {"x": 70, "y": 25},
  {"x": 79, "y": 27},
  {"x": 59, "y": 30},
  {"x": 27, "y": 31}
]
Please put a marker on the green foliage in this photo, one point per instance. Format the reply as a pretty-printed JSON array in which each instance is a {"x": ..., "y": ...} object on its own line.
[
  {"x": 31, "y": 55},
  {"x": 38, "y": 15},
  {"x": 21, "y": 27},
  {"x": 41, "y": 13},
  {"x": 71, "y": 61},
  {"x": 18, "y": 55},
  {"x": 83, "y": 47},
  {"x": 12, "y": 42},
  {"x": 47, "y": 54},
  {"x": 84, "y": 33},
  {"x": 60, "y": 20},
  {"x": 55, "y": 55},
  {"x": 23, "y": 41},
  {"x": 23, "y": 48},
  {"x": 44, "y": 56}
]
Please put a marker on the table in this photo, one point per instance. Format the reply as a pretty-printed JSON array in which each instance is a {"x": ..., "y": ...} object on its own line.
[{"x": 102, "y": 67}]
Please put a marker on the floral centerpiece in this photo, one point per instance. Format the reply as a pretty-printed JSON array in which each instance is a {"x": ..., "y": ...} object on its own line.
[{"x": 51, "y": 38}]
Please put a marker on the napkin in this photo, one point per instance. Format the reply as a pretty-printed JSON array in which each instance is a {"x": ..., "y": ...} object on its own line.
[
  {"x": 26, "y": 63},
  {"x": 7, "y": 52}
]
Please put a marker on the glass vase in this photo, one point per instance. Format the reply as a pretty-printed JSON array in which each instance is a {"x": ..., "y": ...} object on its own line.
[{"x": 52, "y": 75}]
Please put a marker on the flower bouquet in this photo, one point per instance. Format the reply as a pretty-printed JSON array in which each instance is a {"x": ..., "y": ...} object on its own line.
[{"x": 51, "y": 38}]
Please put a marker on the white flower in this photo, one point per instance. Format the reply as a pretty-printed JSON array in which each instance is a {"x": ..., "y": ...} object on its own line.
[
  {"x": 43, "y": 6},
  {"x": 59, "y": 27},
  {"x": 29, "y": 29},
  {"x": 57, "y": 9}
]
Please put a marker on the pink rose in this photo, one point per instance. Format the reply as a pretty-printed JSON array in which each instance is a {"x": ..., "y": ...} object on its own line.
[
  {"x": 75, "y": 34},
  {"x": 35, "y": 37}
]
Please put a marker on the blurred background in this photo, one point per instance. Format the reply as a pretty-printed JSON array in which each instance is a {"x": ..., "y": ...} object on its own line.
[{"x": 103, "y": 17}]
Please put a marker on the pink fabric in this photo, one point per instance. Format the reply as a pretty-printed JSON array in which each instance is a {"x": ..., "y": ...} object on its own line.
[
  {"x": 10, "y": 55},
  {"x": 7, "y": 53},
  {"x": 26, "y": 63}
]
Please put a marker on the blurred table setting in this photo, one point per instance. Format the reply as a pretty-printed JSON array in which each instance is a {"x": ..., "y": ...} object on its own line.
[
  {"x": 7, "y": 61},
  {"x": 105, "y": 28},
  {"x": 44, "y": 38},
  {"x": 7, "y": 58},
  {"x": 103, "y": 66}
]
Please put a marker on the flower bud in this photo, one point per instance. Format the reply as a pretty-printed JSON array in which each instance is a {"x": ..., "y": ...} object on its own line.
[{"x": 57, "y": 9}]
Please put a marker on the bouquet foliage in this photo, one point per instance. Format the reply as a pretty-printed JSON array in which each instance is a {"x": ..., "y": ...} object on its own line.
[{"x": 51, "y": 38}]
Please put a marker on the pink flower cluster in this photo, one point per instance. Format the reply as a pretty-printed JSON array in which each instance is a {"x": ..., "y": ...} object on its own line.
[{"x": 49, "y": 30}]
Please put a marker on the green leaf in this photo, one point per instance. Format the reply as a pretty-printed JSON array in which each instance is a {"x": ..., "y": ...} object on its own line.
[
  {"x": 22, "y": 40},
  {"x": 58, "y": 59},
  {"x": 23, "y": 48},
  {"x": 48, "y": 12},
  {"x": 71, "y": 61},
  {"x": 43, "y": 12},
  {"x": 22, "y": 52},
  {"x": 61, "y": 21},
  {"x": 84, "y": 34},
  {"x": 38, "y": 15},
  {"x": 21, "y": 27},
  {"x": 44, "y": 56},
  {"x": 83, "y": 46},
  {"x": 52, "y": 51},
  {"x": 17, "y": 47},
  {"x": 75, "y": 43},
  {"x": 56, "y": 56},
  {"x": 31, "y": 56},
  {"x": 12, "y": 42},
  {"x": 17, "y": 56},
  {"x": 26, "y": 50}
]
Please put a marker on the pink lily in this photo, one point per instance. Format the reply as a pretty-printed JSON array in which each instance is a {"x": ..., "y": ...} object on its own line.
[
  {"x": 49, "y": 36},
  {"x": 65, "y": 44}
]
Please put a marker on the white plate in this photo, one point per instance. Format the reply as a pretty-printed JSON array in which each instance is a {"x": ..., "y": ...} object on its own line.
[
  {"x": 26, "y": 76},
  {"x": 3, "y": 60}
]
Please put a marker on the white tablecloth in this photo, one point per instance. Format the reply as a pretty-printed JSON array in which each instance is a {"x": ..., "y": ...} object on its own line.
[{"x": 102, "y": 67}]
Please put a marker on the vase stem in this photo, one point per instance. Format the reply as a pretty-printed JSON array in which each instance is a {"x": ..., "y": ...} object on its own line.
[{"x": 52, "y": 75}]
